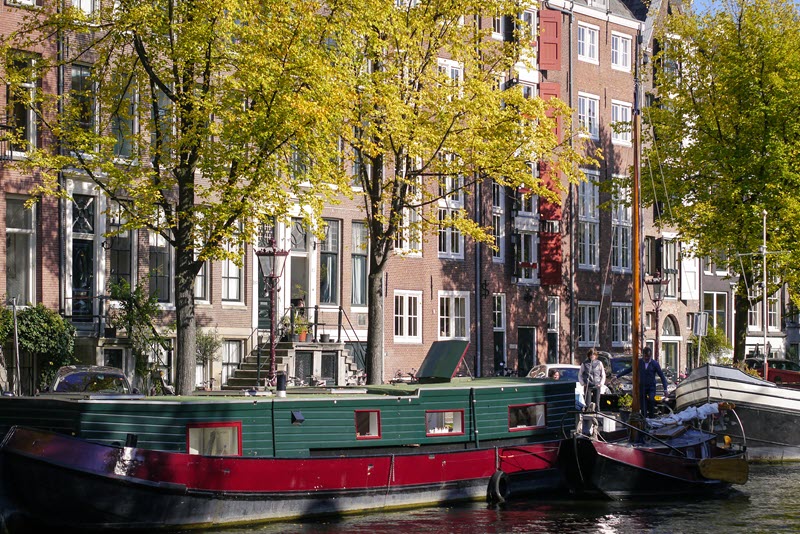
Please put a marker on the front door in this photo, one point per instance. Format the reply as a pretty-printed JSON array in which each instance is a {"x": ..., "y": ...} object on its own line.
[{"x": 526, "y": 349}]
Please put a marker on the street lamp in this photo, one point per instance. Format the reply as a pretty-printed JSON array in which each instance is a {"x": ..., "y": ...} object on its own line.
[
  {"x": 272, "y": 262},
  {"x": 656, "y": 287}
]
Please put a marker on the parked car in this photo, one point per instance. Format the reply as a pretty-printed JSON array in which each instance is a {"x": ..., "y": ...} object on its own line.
[
  {"x": 90, "y": 379},
  {"x": 568, "y": 372},
  {"x": 780, "y": 370}
]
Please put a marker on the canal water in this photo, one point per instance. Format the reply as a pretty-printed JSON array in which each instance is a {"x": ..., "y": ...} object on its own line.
[{"x": 769, "y": 502}]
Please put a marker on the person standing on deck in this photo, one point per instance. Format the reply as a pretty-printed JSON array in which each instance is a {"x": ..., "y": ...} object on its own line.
[
  {"x": 648, "y": 369},
  {"x": 592, "y": 377}
]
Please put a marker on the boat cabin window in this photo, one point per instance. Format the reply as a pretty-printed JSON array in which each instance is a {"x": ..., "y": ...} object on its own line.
[
  {"x": 444, "y": 422},
  {"x": 526, "y": 416},
  {"x": 214, "y": 439},
  {"x": 368, "y": 424}
]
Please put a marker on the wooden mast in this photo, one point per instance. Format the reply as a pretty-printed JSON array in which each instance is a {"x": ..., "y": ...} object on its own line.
[{"x": 636, "y": 252}]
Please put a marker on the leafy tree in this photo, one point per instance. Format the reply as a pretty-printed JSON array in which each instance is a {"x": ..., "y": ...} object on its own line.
[
  {"x": 725, "y": 140},
  {"x": 137, "y": 314},
  {"x": 714, "y": 343},
  {"x": 422, "y": 130},
  {"x": 208, "y": 345},
  {"x": 48, "y": 338},
  {"x": 199, "y": 119}
]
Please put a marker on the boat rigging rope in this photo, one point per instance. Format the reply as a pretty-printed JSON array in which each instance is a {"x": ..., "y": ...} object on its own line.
[{"x": 389, "y": 480}]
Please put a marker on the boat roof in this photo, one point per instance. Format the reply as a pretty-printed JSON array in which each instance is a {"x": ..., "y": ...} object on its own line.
[{"x": 442, "y": 361}]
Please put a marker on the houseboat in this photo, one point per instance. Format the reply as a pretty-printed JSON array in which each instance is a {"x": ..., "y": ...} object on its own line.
[{"x": 97, "y": 462}]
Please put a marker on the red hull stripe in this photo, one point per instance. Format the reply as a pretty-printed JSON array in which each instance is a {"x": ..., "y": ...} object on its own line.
[{"x": 237, "y": 474}]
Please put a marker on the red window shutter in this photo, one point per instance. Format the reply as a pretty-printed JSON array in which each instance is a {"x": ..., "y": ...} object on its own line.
[
  {"x": 548, "y": 90},
  {"x": 549, "y": 211},
  {"x": 549, "y": 40},
  {"x": 550, "y": 259}
]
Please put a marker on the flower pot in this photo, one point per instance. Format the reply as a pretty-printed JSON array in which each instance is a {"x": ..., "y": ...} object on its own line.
[
  {"x": 324, "y": 338},
  {"x": 624, "y": 415},
  {"x": 302, "y": 336}
]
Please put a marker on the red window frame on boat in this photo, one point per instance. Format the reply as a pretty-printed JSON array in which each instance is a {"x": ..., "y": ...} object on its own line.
[
  {"x": 236, "y": 426},
  {"x": 527, "y": 416},
  {"x": 373, "y": 424},
  {"x": 437, "y": 424}
]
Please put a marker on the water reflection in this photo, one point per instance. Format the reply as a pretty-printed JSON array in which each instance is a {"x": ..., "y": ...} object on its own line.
[{"x": 768, "y": 503}]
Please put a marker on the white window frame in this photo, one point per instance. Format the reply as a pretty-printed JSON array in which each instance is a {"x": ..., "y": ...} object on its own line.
[
  {"x": 754, "y": 316},
  {"x": 232, "y": 276},
  {"x": 621, "y": 114},
  {"x": 133, "y": 102},
  {"x": 553, "y": 313},
  {"x": 622, "y": 232},
  {"x": 408, "y": 241},
  {"x": 589, "y": 115},
  {"x": 155, "y": 239},
  {"x": 497, "y": 27},
  {"x": 331, "y": 247},
  {"x": 528, "y": 26},
  {"x": 773, "y": 324},
  {"x": 30, "y": 113},
  {"x": 448, "y": 325},
  {"x": 528, "y": 258},
  {"x": 715, "y": 311},
  {"x": 202, "y": 286},
  {"x": 499, "y": 312},
  {"x": 588, "y": 323},
  {"x": 232, "y": 354},
  {"x": 412, "y": 302},
  {"x": 670, "y": 270},
  {"x": 588, "y": 43},
  {"x": 589, "y": 222},
  {"x": 453, "y": 70},
  {"x": 621, "y": 323},
  {"x": 359, "y": 251},
  {"x": 621, "y": 46},
  {"x": 114, "y": 221},
  {"x": 451, "y": 240},
  {"x": 499, "y": 222},
  {"x": 30, "y": 252},
  {"x": 87, "y": 6}
]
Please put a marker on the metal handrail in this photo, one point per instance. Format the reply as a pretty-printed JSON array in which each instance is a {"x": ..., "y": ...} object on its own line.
[{"x": 5, "y": 142}]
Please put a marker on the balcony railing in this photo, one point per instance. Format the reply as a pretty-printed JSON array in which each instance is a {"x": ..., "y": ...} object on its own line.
[{"x": 5, "y": 142}]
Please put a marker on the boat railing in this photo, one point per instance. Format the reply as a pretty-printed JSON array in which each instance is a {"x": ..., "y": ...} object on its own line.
[{"x": 634, "y": 430}]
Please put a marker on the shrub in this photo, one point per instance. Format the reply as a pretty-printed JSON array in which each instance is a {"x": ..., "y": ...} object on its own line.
[{"x": 48, "y": 338}]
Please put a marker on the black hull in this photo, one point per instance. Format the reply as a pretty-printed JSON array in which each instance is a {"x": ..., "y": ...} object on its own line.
[
  {"x": 80, "y": 501},
  {"x": 594, "y": 469}
]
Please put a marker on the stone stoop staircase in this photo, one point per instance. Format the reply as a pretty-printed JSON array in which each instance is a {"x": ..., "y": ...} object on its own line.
[{"x": 246, "y": 376}]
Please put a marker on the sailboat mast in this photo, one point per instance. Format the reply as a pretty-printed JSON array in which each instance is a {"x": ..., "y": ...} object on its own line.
[
  {"x": 636, "y": 252},
  {"x": 765, "y": 294}
]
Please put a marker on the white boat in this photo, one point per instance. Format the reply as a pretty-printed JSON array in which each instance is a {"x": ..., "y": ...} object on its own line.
[{"x": 769, "y": 413}]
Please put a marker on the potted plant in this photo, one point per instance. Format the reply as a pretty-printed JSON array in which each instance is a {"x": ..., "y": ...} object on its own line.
[
  {"x": 624, "y": 404},
  {"x": 301, "y": 327}
]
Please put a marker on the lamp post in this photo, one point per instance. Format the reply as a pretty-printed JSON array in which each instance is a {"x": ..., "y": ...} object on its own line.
[
  {"x": 655, "y": 288},
  {"x": 272, "y": 262}
]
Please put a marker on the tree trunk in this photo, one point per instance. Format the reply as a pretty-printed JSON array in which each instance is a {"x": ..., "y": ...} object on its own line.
[
  {"x": 185, "y": 360},
  {"x": 741, "y": 309},
  {"x": 186, "y": 269},
  {"x": 374, "y": 357}
]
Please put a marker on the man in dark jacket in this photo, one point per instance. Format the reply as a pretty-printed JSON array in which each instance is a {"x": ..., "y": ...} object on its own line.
[
  {"x": 648, "y": 369},
  {"x": 592, "y": 377}
]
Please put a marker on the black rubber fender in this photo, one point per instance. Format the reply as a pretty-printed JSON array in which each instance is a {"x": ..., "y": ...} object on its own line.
[{"x": 499, "y": 489}]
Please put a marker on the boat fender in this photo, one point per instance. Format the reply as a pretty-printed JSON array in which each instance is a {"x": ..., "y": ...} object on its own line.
[{"x": 498, "y": 490}]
